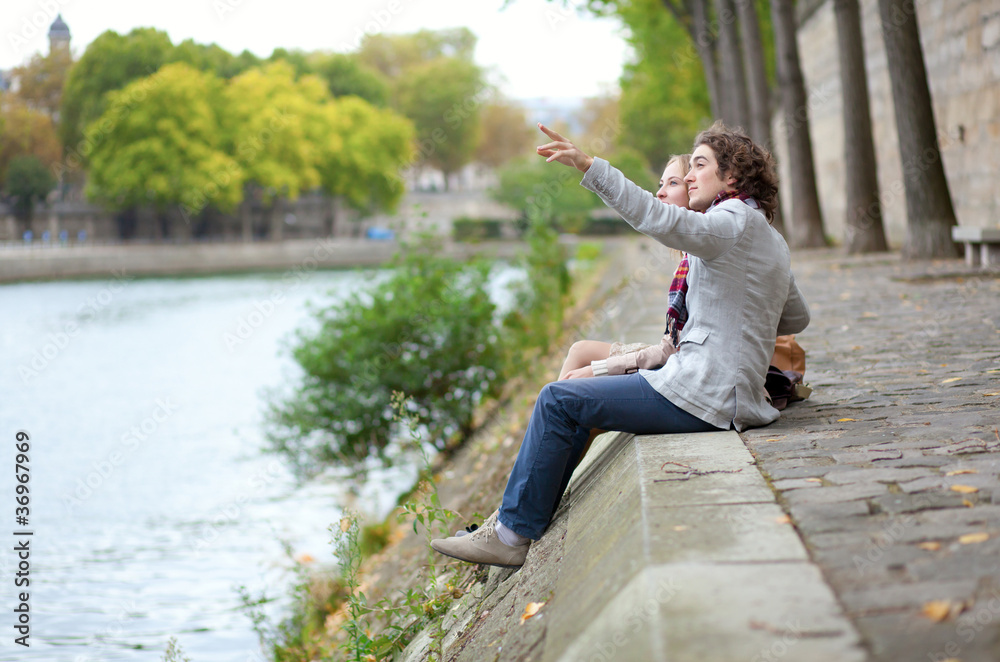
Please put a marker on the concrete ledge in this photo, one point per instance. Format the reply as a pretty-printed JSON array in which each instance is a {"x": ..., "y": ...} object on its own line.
[{"x": 669, "y": 566}]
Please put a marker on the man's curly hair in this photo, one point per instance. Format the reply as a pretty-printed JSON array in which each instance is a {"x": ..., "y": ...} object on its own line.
[{"x": 751, "y": 164}]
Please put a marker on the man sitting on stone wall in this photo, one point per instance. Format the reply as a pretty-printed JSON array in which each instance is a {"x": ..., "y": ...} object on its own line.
[{"x": 741, "y": 294}]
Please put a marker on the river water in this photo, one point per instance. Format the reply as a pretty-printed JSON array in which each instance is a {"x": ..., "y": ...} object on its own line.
[{"x": 151, "y": 500}]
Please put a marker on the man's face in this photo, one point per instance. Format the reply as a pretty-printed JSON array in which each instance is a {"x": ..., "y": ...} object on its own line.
[{"x": 704, "y": 180}]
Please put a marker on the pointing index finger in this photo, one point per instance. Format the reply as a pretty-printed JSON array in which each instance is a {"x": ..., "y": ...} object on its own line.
[{"x": 551, "y": 134}]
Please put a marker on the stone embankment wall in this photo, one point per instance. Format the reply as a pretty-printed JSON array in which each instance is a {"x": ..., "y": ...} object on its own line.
[
  {"x": 294, "y": 256},
  {"x": 961, "y": 42},
  {"x": 307, "y": 217}
]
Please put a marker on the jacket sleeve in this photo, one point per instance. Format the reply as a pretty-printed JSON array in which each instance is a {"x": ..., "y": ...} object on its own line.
[
  {"x": 795, "y": 314},
  {"x": 707, "y": 235},
  {"x": 647, "y": 358}
]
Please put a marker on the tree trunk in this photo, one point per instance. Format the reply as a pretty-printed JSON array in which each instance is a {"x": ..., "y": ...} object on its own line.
[
  {"x": 694, "y": 16},
  {"x": 246, "y": 216},
  {"x": 331, "y": 215},
  {"x": 807, "y": 224},
  {"x": 929, "y": 211},
  {"x": 863, "y": 230},
  {"x": 758, "y": 90},
  {"x": 276, "y": 219},
  {"x": 163, "y": 218},
  {"x": 127, "y": 223},
  {"x": 733, "y": 85}
]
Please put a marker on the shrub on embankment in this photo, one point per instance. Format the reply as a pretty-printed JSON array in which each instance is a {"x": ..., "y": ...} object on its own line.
[{"x": 429, "y": 331}]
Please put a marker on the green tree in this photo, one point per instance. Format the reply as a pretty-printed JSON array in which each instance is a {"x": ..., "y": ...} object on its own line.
[
  {"x": 362, "y": 153},
  {"x": 297, "y": 58},
  {"x": 664, "y": 100},
  {"x": 346, "y": 75},
  {"x": 542, "y": 193},
  {"x": 634, "y": 165},
  {"x": 28, "y": 181},
  {"x": 427, "y": 331},
  {"x": 213, "y": 58},
  {"x": 168, "y": 150},
  {"x": 393, "y": 55},
  {"x": 110, "y": 63},
  {"x": 274, "y": 128},
  {"x": 504, "y": 133},
  {"x": 435, "y": 83},
  {"x": 40, "y": 81},
  {"x": 26, "y": 132},
  {"x": 541, "y": 298},
  {"x": 443, "y": 97}
]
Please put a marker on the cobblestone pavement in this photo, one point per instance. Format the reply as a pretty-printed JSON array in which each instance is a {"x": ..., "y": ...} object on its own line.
[{"x": 891, "y": 469}]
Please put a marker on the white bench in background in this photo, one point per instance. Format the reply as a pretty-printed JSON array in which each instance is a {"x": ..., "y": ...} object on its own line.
[{"x": 982, "y": 245}]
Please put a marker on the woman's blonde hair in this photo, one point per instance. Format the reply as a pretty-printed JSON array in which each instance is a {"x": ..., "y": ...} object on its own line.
[
  {"x": 685, "y": 162},
  {"x": 683, "y": 159}
]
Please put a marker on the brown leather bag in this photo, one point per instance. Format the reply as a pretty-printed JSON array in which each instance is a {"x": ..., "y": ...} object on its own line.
[
  {"x": 784, "y": 376},
  {"x": 789, "y": 355}
]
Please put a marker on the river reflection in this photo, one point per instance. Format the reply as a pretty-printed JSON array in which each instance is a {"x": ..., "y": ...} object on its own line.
[{"x": 151, "y": 501}]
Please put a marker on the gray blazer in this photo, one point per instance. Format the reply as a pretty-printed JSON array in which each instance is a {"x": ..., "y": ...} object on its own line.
[{"x": 741, "y": 295}]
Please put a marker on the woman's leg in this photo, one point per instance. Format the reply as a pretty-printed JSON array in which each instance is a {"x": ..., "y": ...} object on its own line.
[
  {"x": 555, "y": 438},
  {"x": 582, "y": 352}
]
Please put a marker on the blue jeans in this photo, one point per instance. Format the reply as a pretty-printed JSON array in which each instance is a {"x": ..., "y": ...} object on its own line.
[{"x": 560, "y": 425}]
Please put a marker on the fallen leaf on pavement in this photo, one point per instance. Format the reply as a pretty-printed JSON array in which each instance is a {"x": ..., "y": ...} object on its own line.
[
  {"x": 967, "y": 503},
  {"x": 930, "y": 546},
  {"x": 530, "y": 610},
  {"x": 970, "y": 538},
  {"x": 948, "y": 381},
  {"x": 964, "y": 489},
  {"x": 992, "y": 394},
  {"x": 814, "y": 480},
  {"x": 841, "y": 420},
  {"x": 961, "y": 471},
  {"x": 938, "y": 610}
]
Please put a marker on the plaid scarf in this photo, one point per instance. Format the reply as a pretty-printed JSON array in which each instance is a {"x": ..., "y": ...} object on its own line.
[{"x": 677, "y": 313}]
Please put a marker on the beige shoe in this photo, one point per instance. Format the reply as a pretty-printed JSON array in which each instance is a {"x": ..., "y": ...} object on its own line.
[{"x": 482, "y": 546}]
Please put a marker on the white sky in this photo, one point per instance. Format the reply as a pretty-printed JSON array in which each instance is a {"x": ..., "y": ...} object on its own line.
[{"x": 537, "y": 48}]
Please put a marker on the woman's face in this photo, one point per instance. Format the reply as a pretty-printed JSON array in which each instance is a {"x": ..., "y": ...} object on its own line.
[{"x": 673, "y": 190}]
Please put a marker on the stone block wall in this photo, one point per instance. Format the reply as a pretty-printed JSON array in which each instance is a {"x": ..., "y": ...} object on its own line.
[{"x": 961, "y": 42}]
